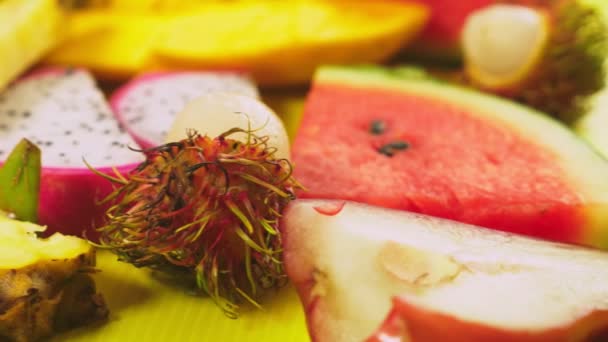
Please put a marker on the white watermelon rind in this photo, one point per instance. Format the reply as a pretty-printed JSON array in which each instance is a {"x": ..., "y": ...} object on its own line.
[{"x": 586, "y": 170}]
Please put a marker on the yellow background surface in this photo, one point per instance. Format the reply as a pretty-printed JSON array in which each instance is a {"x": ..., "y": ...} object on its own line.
[{"x": 143, "y": 308}]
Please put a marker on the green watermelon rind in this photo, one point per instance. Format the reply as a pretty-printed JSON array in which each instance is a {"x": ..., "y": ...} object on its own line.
[{"x": 585, "y": 170}]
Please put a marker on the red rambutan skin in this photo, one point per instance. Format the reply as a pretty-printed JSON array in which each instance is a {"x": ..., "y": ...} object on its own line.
[{"x": 207, "y": 207}]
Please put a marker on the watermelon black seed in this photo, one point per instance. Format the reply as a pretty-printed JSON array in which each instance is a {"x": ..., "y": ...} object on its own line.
[
  {"x": 399, "y": 145},
  {"x": 386, "y": 150},
  {"x": 392, "y": 147},
  {"x": 377, "y": 127}
]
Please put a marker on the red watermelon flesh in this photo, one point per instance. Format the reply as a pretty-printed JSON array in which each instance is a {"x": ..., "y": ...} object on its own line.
[{"x": 471, "y": 157}]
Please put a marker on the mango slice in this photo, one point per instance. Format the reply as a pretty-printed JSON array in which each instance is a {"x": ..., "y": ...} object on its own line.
[
  {"x": 143, "y": 5},
  {"x": 278, "y": 42},
  {"x": 113, "y": 44}
]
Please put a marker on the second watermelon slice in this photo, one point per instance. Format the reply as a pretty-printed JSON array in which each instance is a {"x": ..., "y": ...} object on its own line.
[{"x": 436, "y": 149}]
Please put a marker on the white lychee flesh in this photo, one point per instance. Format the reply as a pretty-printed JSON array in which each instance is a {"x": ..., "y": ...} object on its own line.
[
  {"x": 215, "y": 113},
  {"x": 502, "y": 42}
]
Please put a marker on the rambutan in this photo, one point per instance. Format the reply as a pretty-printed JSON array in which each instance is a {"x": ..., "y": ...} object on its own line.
[
  {"x": 208, "y": 208},
  {"x": 548, "y": 54}
]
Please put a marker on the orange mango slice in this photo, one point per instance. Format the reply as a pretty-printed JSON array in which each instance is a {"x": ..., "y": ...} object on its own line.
[
  {"x": 145, "y": 5},
  {"x": 114, "y": 45},
  {"x": 278, "y": 42}
]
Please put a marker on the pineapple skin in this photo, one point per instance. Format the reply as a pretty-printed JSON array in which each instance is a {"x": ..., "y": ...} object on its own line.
[{"x": 49, "y": 296}]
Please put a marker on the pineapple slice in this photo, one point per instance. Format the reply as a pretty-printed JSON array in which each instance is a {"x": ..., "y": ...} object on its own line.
[
  {"x": 28, "y": 29},
  {"x": 45, "y": 286}
]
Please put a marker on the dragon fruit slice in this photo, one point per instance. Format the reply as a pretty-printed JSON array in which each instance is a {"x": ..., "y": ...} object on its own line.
[
  {"x": 147, "y": 105},
  {"x": 64, "y": 113}
]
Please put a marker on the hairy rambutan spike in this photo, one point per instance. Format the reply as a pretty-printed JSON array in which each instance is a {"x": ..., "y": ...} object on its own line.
[
  {"x": 555, "y": 63},
  {"x": 575, "y": 60},
  {"x": 207, "y": 206}
]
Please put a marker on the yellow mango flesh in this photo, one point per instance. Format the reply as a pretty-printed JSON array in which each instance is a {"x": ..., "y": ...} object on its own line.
[
  {"x": 147, "y": 5},
  {"x": 279, "y": 42},
  {"x": 28, "y": 29},
  {"x": 113, "y": 44}
]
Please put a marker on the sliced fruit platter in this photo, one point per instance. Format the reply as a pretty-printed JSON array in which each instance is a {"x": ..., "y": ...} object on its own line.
[{"x": 325, "y": 170}]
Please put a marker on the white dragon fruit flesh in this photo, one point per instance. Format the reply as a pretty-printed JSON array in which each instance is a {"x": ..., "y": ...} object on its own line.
[
  {"x": 66, "y": 115},
  {"x": 147, "y": 105}
]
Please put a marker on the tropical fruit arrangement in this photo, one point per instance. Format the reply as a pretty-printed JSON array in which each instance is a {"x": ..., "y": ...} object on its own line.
[{"x": 325, "y": 170}]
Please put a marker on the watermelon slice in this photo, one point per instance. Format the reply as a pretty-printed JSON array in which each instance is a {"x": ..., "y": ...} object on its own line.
[{"x": 436, "y": 149}]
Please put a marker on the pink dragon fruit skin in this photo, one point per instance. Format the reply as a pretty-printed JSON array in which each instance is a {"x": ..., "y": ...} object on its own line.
[
  {"x": 63, "y": 112},
  {"x": 147, "y": 105}
]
